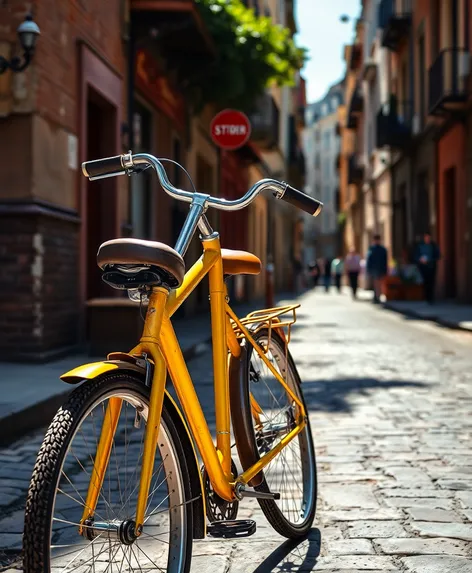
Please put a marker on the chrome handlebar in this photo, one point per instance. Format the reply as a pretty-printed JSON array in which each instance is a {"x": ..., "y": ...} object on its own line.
[{"x": 129, "y": 164}]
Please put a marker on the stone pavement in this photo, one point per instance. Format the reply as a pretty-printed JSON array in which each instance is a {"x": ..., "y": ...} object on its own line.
[{"x": 390, "y": 405}]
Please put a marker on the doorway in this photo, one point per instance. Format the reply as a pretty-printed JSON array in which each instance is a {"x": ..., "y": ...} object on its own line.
[
  {"x": 449, "y": 234},
  {"x": 101, "y": 200},
  {"x": 141, "y": 186}
]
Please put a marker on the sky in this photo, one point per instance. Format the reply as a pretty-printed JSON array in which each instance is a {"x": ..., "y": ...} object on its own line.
[{"x": 320, "y": 30}]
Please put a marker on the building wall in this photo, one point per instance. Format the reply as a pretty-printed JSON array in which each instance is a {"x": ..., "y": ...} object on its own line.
[
  {"x": 322, "y": 146},
  {"x": 452, "y": 215},
  {"x": 41, "y": 189}
]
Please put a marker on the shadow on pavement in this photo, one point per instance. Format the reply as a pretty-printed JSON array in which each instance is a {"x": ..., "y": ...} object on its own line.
[
  {"x": 293, "y": 556},
  {"x": 332, "y": 395}
]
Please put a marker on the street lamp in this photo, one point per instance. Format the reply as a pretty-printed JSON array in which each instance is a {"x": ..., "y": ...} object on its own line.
[{"x": 27, "y": 31}]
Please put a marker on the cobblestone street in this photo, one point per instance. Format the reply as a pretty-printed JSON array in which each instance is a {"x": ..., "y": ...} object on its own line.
[{"x": 390, "y": 401}]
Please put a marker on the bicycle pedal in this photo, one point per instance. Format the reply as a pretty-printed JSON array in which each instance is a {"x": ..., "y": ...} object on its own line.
[{"x": 232, "y": 529}]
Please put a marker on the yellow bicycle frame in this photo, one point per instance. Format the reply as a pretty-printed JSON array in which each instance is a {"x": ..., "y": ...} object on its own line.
[{"x": 160, "y": 344}]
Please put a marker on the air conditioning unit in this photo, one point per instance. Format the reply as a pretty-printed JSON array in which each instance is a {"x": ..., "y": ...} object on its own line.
[{"x": 416, "y": 124}]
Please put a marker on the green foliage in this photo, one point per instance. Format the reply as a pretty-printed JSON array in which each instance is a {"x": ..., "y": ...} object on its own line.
[
  {"x": 342, "y": 219},
  {"x": 252, "y": 54}
]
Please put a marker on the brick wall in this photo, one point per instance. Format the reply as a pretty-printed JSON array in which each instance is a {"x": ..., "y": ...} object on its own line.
[{"x": 38, "y": 285}]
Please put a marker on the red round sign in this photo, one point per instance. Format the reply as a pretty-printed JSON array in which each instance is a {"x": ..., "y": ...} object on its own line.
[{"x": 230, "y": 129}]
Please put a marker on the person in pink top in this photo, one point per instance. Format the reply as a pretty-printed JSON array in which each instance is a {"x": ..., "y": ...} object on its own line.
[{"x": 352, "y": 266}]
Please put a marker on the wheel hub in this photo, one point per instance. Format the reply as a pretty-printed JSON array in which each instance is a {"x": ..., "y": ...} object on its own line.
[{"x": 124, "y": 531}]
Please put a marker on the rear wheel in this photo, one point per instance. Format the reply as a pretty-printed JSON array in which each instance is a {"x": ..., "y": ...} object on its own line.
[
  {"x": 269, "y": 414},
  {"x": 58, "y": 489}
]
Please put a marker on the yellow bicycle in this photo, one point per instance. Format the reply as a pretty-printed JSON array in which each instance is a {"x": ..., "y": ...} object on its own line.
[{"x": 117, "y": 482}]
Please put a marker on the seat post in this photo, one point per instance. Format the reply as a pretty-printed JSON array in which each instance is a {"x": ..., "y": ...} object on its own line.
[{"x": 197, "y": 208}]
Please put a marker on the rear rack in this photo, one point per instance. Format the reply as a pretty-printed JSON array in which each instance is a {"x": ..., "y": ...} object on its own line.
[{"x": 269, "y": 318}]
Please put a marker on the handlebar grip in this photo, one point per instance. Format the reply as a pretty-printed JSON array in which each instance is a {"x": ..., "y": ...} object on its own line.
[
  {"x": 302, "y": 201},
  {"x": 107, "y": 166}
]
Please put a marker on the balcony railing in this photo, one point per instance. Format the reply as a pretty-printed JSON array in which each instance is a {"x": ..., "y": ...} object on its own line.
[
  {"x": 265, "y": 123},
  {"x": 394, "y": 123},
  {"x": 355, "y": 172},
  {"x": 395, "y": 21},
  {"x": 356, "y": 107},
  {"x": 448, "y": 79}
]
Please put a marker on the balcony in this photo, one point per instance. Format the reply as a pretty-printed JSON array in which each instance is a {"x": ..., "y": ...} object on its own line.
[
  {"x": 395, "y": 21},
  {"x": 394, "y": 124},
  {"x": 174, "y": 31},
  {"x": 337, "y": 162},
  {"x": 355, "y": 59},
  {"x": 448, "y": 79},
  {"x": 296, "y": 158},
  {"x": 356, "y": 107},
  {"x": 265, "y": 123},
  {"x": 355, "y": 171}
]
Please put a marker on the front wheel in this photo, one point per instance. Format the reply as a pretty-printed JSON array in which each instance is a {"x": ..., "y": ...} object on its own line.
[
  {"x": 61, "y": 476},
  {"x": 268, "y": 414}
]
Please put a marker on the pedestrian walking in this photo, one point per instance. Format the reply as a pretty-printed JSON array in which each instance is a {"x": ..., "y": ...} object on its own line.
[
  {"x": 338, "y": 270},
  {"x": 327, "y": 273},
  {"x": 314, "y": 272},
  {"x": 297, "y": 272},
  {"x": 377, "y": 266},
  {"x": 427, "y": 256},
  {"x": 352, "y": 265}
]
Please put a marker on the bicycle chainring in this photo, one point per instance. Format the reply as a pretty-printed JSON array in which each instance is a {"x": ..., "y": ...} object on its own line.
[{"x": 219, "y": 509}]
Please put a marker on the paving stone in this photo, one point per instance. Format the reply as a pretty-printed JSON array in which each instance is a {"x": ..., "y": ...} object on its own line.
[
  {"x": 416, "y": 546},
  {"x": 452, "y": 530},
  {"x": 353, "y": 562},
  {"x": 423, "y": 502},
  {"x": 465, "y": 498},
  {"x": 13, "y": 523},
  {"x": 361, "y": 514},
  {"x": 348, "y": 547},
  {"x": 422, "y": 492},
  {"x": 375, "y": 529},
  {"x": 343, "y": 468},
  {"x": 453, "y": 484},
  {"x": 366, "y": 476},
  {"x": 349, "y": 496},
  {"x": 467, "y": 513},
  {"x": 10, "y": 540},
  {"x": 426, "y": 514},
  {"x": 437, "y": 564},
  {"x": 414, "y": 477}
]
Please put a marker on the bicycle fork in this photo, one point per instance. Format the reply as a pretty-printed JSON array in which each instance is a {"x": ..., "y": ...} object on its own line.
[{"x": 149, "y": 340}]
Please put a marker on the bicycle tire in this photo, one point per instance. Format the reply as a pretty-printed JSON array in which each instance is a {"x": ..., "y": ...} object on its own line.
[
  {"x": 47, "y": 470},
  {"x": 245, "y": 436}
]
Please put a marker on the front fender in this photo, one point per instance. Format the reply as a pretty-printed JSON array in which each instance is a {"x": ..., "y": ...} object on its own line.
[
  {"x": 126, "y": 362},
  {"x": 115, "y": 361}
]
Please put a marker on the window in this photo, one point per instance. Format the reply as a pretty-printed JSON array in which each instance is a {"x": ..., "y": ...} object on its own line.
[
  {"x": 324, "y": 109},
  {"x": 326, "y": 139},
  {"x": 317, "y": 161},
  {"x": 317, "y": 135}
]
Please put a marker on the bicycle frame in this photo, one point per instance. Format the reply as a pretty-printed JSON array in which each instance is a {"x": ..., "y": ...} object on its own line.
[{"x": 160, "y": 344}]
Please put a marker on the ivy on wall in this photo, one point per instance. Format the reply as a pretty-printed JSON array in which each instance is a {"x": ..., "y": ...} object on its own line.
[{"x": 252, "y": 53}]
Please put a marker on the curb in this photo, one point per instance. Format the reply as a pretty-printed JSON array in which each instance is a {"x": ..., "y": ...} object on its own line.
[
  {"x": 18, "y": 424},
  {"x": 429, "y": 318}
]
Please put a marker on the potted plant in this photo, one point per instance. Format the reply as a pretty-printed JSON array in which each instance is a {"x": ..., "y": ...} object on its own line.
[
  {"x": 393, "y": 285},
  {"x": 411, "y": 282}
]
